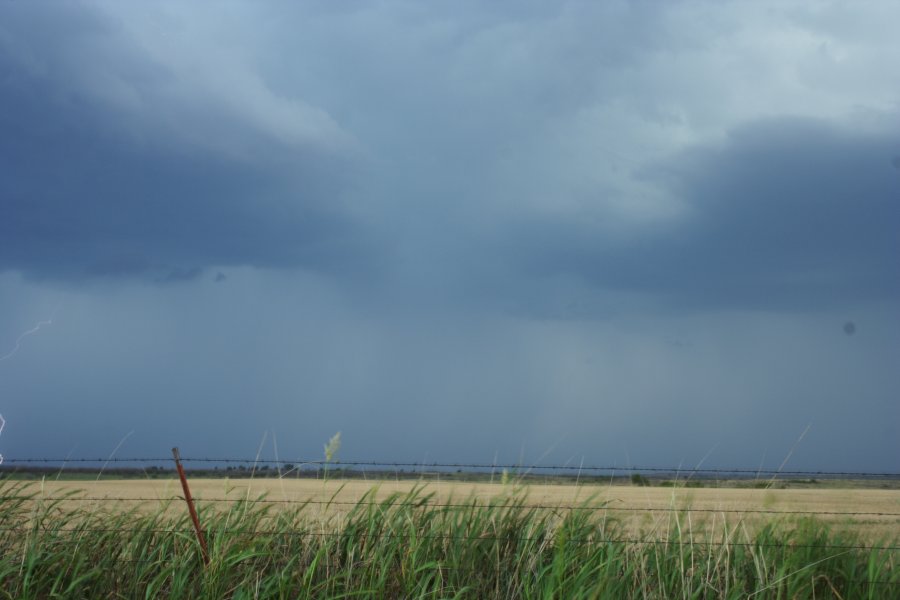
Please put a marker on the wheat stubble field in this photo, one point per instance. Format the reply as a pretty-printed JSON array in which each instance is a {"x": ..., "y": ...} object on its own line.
[{"x": 642, "y": 510}]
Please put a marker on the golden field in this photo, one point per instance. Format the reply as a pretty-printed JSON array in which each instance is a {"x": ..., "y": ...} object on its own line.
[{"x": 643, "y": 510}]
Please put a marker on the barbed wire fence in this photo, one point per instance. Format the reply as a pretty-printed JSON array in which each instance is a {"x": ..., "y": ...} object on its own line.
[
  {"x": 471, "y": 467},
  {"x": 15, "y": 465},
  {"x": 156, "y": 465}
]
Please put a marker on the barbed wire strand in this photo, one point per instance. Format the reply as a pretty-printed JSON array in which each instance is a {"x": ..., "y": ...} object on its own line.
[
  {"x": 384, "y": 504},
  {"x": 459, "y": 465}
]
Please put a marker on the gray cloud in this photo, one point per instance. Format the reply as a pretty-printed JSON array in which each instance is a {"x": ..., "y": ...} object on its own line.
[
  {"x": 626, "y": 230},
  {"x": 160, "y": 188},
  {"x": 785, "y": 213}
]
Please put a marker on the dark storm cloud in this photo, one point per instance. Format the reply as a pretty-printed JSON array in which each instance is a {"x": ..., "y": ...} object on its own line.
[
  {"x": 503, "y": 225},
  {"x": 124, "y": 165},
  {"x": 97, "y": 185},
  {"x": 795, "y": 210},
  {"x": 788, "y": 213}
]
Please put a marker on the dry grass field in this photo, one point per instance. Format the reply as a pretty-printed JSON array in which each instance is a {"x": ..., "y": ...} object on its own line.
[{"x": 642, "y": 510}]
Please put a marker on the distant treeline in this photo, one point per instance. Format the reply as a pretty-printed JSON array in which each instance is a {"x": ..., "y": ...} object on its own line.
[{"x": 288, "y": 471}]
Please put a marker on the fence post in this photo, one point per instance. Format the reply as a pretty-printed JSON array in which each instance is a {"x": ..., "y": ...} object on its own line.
[{"x": 190, "y": 502}]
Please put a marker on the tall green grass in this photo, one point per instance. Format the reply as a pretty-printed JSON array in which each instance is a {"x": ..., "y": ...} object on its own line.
[{"x": 405, "y": 547}]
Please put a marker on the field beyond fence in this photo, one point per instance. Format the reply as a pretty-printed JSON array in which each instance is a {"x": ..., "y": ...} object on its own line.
[{"x": 505, "y": 537}]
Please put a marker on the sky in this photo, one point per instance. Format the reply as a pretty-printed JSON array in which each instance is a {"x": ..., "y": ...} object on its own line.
[{"x": 610, "y": 233}]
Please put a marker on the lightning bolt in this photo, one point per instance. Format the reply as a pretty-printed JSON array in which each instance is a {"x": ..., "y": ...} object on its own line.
[
  {"x": 15, "y": 350},
  {"x": 31, "y": 331}
]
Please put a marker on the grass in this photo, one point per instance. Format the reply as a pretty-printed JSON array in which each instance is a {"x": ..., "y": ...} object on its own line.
[{"x": 401, "y": 547}]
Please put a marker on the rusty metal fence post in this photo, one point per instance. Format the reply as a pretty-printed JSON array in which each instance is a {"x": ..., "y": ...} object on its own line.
[{"x": 190, "y": 502}]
